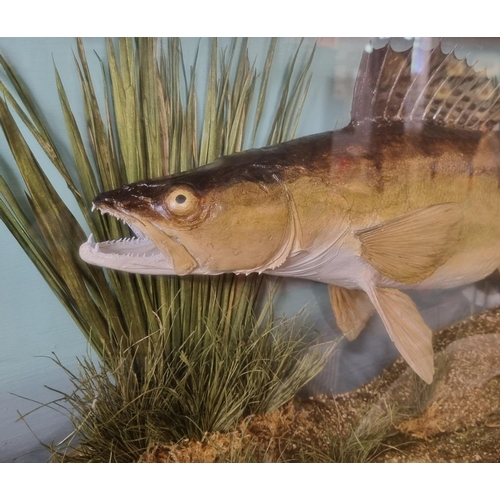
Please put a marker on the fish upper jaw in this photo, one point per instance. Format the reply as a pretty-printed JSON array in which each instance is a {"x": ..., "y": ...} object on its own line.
[{"x": 137, "y": 254}]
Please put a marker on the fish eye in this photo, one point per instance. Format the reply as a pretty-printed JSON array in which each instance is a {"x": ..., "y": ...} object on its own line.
[{"x": 182, "y": 202}]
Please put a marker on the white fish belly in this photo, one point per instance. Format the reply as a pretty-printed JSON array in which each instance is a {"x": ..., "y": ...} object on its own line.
[
  {"x": 334, "y": 265},
  {"x": 341, "y": 266}
]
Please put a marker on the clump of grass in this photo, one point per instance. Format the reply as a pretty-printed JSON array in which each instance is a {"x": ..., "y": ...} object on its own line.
[
  {"x": 419, "y": 392},
  {"x": 216, "y": 378},
  {"x": 352, "y": 448},
  {"x": 357, "y": 444},
  {"x": 361, "y": 444},
  {"x": 372, "y": 435}
]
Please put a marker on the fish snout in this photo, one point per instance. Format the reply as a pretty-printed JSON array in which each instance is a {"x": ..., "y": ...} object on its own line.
[{"x": 125, "y": 198}]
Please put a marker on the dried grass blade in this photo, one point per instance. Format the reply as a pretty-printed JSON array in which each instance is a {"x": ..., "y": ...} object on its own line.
[
  {"x": 109, "y": 172},
  {"x": 263, "y": 88},
  {"x": 22, "y": 230},
  {"x": 149, "y": 101},
  {"x": 210, "y": 142},
  {"x": 298, "y": 95},
  {"x": 54, "y": 219},
  {"x": 83, "y": 166},
  {"x": 35, "y": 125},
  {"x": 127, "y": 109},
  {"x": 277, "y": 133}
]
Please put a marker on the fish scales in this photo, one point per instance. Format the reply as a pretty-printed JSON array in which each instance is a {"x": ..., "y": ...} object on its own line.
[{"x": 405, "y": 197}]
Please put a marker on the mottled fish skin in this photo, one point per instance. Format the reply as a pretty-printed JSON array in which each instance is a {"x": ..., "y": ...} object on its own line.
[{"x": 406, "y": 196}]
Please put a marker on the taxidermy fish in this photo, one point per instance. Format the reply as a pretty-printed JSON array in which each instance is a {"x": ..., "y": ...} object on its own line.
[{"x": 407, "y": 196}]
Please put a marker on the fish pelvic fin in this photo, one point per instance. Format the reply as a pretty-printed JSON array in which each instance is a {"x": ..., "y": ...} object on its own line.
[
  {"x": 411, "y": 336},
  {"x": 420, "y": 85},
  {"x": 352, "y": 310},
  {"x": 410, "y": 247}
]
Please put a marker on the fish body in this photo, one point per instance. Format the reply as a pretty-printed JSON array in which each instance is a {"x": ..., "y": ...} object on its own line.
[{"x": 405, "y": 197}]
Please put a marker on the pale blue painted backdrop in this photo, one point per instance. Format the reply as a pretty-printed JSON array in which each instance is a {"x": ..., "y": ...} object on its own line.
[{"x": 32, "y": 322}]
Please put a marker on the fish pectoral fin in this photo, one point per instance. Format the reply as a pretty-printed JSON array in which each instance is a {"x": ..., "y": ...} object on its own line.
[
  {"x": 409, "y": 248},
  {"x": 407, "y": 329},
  {"x": 352, "y": 309}
]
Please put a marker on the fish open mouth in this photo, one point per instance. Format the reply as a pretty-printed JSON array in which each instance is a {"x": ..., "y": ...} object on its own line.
[{"x": 137, "y": 254}]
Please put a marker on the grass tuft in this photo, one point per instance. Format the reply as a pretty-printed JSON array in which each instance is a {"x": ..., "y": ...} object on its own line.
[
  {"x": 215, "y": 379},
  {"x": 361, "y": 444}
]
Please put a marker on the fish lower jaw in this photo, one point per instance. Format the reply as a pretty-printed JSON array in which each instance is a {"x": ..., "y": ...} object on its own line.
[
  {"x": 138, "y": 255},
  {"x": 134, "y": 246}
]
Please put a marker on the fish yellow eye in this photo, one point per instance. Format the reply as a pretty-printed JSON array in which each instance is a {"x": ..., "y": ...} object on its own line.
[{"x": 182, "y": 202}]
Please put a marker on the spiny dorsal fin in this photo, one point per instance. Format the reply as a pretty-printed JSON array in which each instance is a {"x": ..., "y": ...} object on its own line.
[{"x": 424, "y": 86}]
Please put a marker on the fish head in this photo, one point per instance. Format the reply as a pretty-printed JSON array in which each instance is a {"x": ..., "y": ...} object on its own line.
[{"x": 207, "y": 221}]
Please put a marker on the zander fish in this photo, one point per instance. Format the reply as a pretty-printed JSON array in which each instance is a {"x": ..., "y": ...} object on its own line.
[{"x": 407, "y": 196}]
